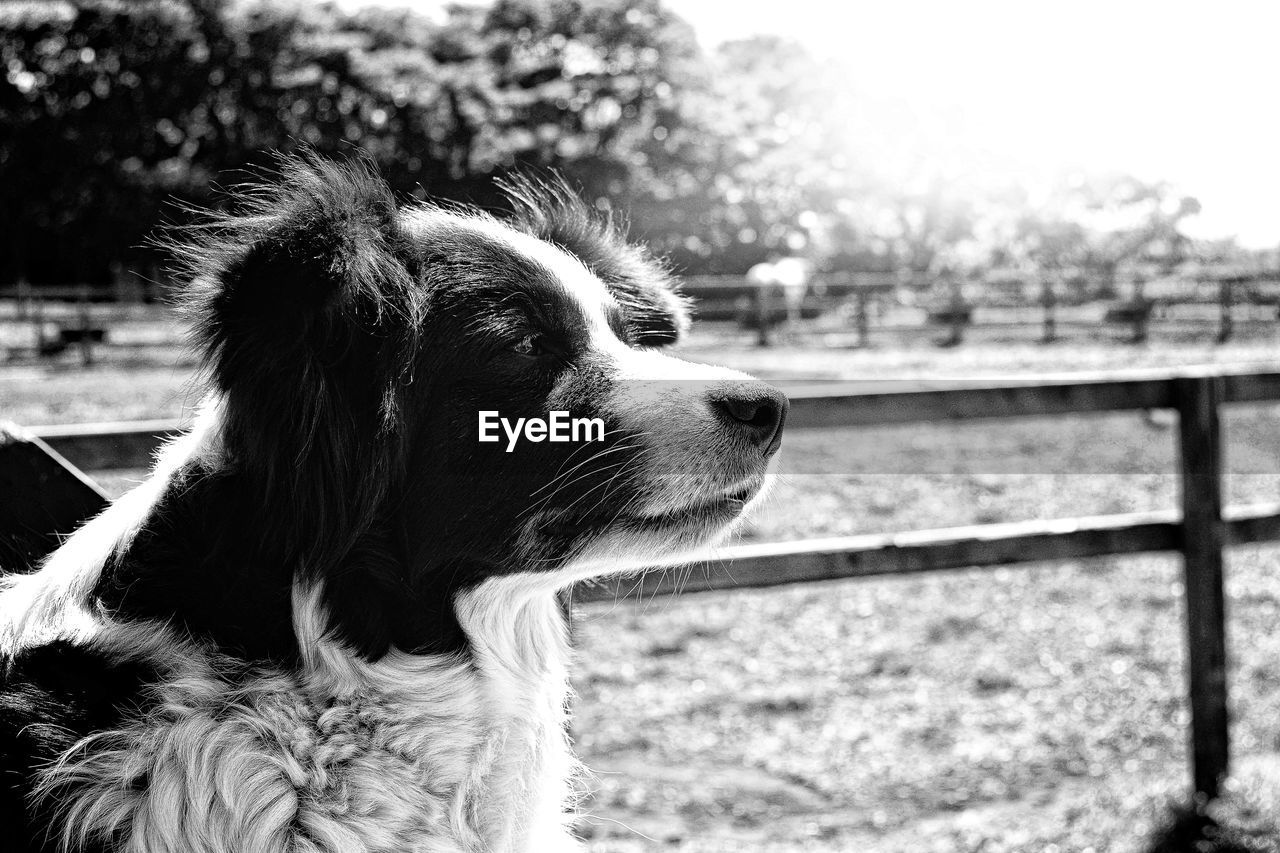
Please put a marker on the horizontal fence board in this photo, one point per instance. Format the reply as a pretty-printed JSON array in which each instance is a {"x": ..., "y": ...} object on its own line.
[
  {"x": 820, "y": 408},
  {"x": 1250, "y": 387},
  {"x": 978, "y": 546},
  {"x": 1250, "y": 525},
  {"x": 776, "y": 564},
  {"x": 832, "y": 405}
]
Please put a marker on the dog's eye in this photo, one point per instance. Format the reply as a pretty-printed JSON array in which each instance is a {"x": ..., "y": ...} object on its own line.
[{"x": 531, "y": 345}]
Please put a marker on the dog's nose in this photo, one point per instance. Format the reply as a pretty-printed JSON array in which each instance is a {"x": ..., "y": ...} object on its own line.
[{"x": 754, "y": 410}]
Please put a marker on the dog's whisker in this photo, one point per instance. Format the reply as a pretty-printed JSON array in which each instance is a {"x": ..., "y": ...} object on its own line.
[
  {"x": 596, "y": 472},
  {"x": 563, "y": 482},
  {"x": 603, "y": 470},
  {"x": 621, "y": 468},
  {"x": 598, "y": 456},
  {"x": 560, "y": 472},
  {"x": 630, "y": 829}
]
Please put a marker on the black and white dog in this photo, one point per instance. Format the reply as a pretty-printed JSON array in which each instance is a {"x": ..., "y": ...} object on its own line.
[{"x": 332, "y": 617}]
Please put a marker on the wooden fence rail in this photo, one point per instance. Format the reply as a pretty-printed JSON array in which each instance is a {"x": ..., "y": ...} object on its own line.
[{"x": 1200, "y": 530}]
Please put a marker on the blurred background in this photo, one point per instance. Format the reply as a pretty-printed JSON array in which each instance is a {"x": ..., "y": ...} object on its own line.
[
  {"x": 921, "y": 192},
  {"x": 1088, "y": 142}
]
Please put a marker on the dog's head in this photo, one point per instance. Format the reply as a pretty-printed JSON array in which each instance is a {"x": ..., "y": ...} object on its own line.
[{"x": 396, "y": 382}]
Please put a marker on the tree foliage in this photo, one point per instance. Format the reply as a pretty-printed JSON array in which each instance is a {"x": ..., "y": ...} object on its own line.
[{"x": 111, "y": 109}]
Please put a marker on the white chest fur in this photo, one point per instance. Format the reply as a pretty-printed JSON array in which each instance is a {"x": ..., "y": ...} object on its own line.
[{"x": 412, "y": 753}]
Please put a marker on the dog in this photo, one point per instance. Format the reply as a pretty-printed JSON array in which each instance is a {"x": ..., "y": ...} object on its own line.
[{"x": 333, "y": 618}]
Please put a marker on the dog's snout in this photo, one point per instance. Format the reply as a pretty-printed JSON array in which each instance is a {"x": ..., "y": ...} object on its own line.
[{"x": 754, "y": 410}]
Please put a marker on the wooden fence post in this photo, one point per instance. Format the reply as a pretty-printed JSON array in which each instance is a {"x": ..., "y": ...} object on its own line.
[
  {"x": 1225, "y": 298},
  {"x": 1049, "y": 302},
  {"x": 1141, "y": 310},
  {"x": 861, "y": 318},
  {"x": 86, "y": 339},
  {"x": 762, "y": 304},
  {"x": 1204, "y": 536}
]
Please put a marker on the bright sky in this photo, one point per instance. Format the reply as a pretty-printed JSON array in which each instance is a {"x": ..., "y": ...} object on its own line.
[{"x": 1185, "y": 92}]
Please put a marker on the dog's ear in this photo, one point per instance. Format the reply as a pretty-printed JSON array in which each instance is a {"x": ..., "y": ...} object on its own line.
[
  {"x": 304, "y": 302},
  {"x": 300, "y": 262},
  {"x": 655, "y": 310}
]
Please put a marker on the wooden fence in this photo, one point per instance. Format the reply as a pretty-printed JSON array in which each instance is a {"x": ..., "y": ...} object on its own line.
[
  {"x": 979, "y": 306},
  {"x": 1200, "y": 530}
]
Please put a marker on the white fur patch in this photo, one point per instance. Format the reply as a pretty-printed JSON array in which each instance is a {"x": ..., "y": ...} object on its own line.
[
  {"x": 426, "y": 753},
  {"x": 577, "y": 280}
]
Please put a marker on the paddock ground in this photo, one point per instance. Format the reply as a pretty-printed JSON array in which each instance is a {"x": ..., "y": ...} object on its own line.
[{"x": 1026, "y": 709}]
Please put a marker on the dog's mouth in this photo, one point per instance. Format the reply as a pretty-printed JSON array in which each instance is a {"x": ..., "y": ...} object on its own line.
[{"x": 705, "y": 513}]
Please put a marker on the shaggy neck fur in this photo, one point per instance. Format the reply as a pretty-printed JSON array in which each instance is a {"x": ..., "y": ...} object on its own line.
[{"x": 464, "y": 751}]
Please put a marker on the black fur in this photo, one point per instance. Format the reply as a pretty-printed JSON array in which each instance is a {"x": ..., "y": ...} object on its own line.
[{"x": 51, "y": 697}]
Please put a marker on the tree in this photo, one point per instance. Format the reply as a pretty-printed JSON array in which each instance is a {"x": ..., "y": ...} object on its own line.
[
  {"x": 755, "y": 161},
  {"x": 109, "y": 110},
  {"x": 91, "y": 130},
  {"x": 1090, "y": 229}
]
